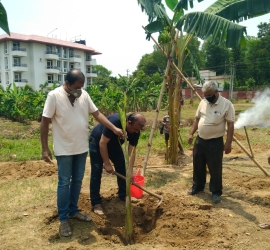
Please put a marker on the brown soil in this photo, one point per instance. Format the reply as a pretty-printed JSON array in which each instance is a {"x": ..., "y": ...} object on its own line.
[{"x": 181, "y": 221}]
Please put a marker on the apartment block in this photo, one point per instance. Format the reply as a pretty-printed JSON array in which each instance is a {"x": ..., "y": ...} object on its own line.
[{"x": 34, "y": 60}]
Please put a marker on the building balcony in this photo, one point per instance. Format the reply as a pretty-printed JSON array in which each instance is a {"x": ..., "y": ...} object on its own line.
[
  {"x": 52, "y": 70},
  {"x": 19, "y": 67},
  {"x": 90, "y": 62},
  {"x": 20, "y": 82},
  {"x": 75, "y": 58},
  {"x": 90, "y": 74},
  {"x": 51, "y": 55},
  {"x": 18, "y": 51}
]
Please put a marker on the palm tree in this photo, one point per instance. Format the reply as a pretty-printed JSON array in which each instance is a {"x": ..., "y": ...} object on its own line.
[{"x": 214, "y": 24}]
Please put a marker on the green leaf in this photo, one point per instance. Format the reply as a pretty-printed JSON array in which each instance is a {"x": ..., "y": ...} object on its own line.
[
  {"x": 214, "y": 28},
  {"x": 3, "y": 19},
  {"x": 239, "y": 10},
  {"x": 171, "y": 4},
  {"x": 155, "y": 26}
]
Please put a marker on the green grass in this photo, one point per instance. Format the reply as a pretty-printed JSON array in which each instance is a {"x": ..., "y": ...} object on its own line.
[{"x": 24, "y": 140}]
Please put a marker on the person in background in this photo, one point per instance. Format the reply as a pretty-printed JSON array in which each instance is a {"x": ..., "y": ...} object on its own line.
[
  {"x": 68, "y": 108},
  {"x": 166, "y": 131},
  {"x": 213, "y": 114},
  {"x": 105, "y": 147}
]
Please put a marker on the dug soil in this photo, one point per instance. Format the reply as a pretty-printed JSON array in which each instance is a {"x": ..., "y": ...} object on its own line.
[{"x": 180, "y": 222}]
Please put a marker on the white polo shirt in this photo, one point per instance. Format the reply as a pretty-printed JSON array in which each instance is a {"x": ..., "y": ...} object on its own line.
[
  {"x": 213, "y": 117},
  {"x": 69, "y": 123}
]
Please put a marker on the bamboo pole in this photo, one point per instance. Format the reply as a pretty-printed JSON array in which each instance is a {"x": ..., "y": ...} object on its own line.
[
  {"x": 194, "y": 90},
  {"x": 250, "y": 156},
  {"x": 169, "y": 62},
  {"x": 248, "y": 141}
]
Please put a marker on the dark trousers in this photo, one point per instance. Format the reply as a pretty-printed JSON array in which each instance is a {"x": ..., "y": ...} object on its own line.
[
  {"x": 208, "y": 152},
  {"x": 117, "y": 158}
]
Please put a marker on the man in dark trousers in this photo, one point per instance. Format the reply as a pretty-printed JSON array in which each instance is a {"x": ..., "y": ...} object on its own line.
[
  {"x": 105, "y": 147},
  {"x": 213, "y": 114}
]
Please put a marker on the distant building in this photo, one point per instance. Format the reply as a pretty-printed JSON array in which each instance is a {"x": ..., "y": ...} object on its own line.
[
  {"x": 34, "y": 60},
  {"x": 208, "y": 75}
]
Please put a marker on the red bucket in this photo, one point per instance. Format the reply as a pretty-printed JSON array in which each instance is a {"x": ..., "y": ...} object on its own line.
[{"x": 135, "y": 191}]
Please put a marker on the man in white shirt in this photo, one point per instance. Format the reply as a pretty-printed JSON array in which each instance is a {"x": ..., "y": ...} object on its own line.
[
  {"x": 68, "y": 107},
  {"x": 213, "y": 114}
]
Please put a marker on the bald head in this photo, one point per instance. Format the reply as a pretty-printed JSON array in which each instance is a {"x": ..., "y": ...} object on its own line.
[{"x": 135, "y": 122}]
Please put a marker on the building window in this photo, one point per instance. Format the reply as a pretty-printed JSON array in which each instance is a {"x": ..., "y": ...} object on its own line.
[
  {"x": 6, "y": 63},
  {"x": 5, "y": 47},
  {"x": 88, "y": 69},
  {"x": 7, "y": 78},
  {"x": 17, "y": 77},
  {"x": 59, "y": 64},
  {"x": 50, "y": 78},
  {"x": 88, "y": 57},
  {"x": 16, "y": 45},
  {"x": 16, "y": 61},
  {"x": 49, "y": 64},
  {"x": 71, "y": 66},
  {"x": 48, "y": 49},
  {"x": 64, "y": 53},
  {"x": 60, "y": 79},
  {"x": 71, "y": 53}
]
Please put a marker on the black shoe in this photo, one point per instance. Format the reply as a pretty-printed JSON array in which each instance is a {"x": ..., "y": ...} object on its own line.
[
  {"x": 194, "y": 190},
  {"x": 122, "y": 198},
  {"x": 216, "y": 198}
]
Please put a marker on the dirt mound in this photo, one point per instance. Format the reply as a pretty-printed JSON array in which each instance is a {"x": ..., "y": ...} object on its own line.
[{"x": 26, "y": 169}]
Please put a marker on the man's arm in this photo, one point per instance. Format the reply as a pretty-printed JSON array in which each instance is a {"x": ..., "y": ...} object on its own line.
[
  {"x": 44, "y": 130},
  {"x": 105, "y": 122},
  {"x": 228, "y": 143},
  {"x": 193, "y": 129},
  {"x": 103, "y": 147}
]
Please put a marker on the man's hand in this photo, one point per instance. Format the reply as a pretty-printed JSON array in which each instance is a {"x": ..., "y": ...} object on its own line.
[
  {"x": 108, "y": 168},
  {"x": 190, "y": 139},
  {"x": 119, "y": 132},
  {"x": 227, "y": 148},
  {"x": 47, "y": 155}
]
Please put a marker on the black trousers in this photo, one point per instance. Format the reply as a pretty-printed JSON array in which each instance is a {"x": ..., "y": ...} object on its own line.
[{"x": 208, "y": 152}]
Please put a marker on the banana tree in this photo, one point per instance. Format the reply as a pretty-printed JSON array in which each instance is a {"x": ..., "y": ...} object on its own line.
[
  {"x": 129, "y": 233},
  {"x": 3, "y": 19},
  {"x": 214, "y": 24}
]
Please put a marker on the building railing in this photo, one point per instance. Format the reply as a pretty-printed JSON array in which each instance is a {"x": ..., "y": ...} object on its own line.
[
  {"x": 52, "y": 52},
  {"x": 88, "y": 59},
  {"x": 89, "y": 71},
  {"x": 19, "y": 65},
  {"x": 20, "y": 80},
  {"x": 77, "y": 56},
  {"x": 18, "y": 49},
  {"x": 52, "y": 67}
]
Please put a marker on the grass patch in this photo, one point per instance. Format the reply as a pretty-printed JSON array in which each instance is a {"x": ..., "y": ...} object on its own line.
[{"x": 160, "y": 179}]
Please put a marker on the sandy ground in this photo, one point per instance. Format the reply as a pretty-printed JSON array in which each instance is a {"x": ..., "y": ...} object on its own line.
[{"x": 181, "y": 221}]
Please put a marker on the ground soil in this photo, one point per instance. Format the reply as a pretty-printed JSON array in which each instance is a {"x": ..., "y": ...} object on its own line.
[{"x": 180, "y": 222}]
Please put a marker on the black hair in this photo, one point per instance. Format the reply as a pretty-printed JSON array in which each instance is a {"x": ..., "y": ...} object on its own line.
[
  {"x": 74, "y": 75},
  {"x": 132, "y": 118}
]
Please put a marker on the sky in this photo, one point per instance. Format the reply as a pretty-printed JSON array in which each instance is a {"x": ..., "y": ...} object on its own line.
[{"x": 112, "y": 27}]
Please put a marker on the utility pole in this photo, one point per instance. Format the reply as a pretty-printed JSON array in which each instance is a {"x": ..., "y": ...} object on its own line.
[
  {"x": 232, "y": 81},
  {"x": 127, "y": 72}
]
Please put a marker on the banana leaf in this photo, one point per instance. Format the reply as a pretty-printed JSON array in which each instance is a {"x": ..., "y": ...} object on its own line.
[{"x": 216, "y": 29}]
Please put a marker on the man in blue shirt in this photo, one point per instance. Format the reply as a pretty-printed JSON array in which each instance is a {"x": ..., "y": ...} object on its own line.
[{"x": 105, "y": 147}]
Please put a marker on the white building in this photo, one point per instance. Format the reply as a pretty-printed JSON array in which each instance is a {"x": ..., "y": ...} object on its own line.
[
  {"x": 34, "y": 60},
  {"x": 207, "y": 75}
]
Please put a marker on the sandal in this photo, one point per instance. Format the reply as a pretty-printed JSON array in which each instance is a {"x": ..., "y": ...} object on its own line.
[
  {"x": 81, "y": 217},
  {"x": 265, "y": 225},
  {"x": 64, "y": 229},
  {"x": 97, "y": 209}
]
